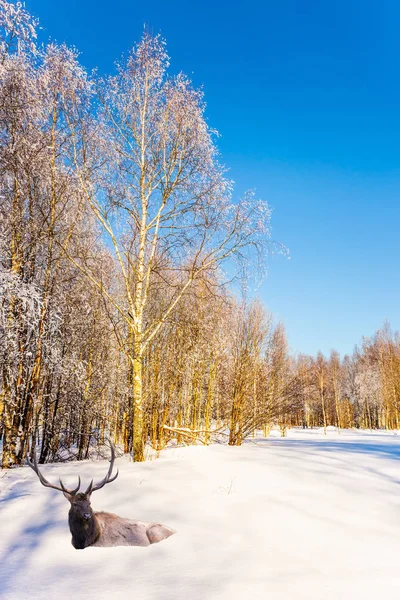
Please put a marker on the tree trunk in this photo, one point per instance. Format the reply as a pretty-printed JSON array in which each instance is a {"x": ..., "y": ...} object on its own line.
[{"x": 138, "y": 419}]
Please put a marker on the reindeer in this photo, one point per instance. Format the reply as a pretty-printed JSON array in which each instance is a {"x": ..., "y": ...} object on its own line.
[{"x": 90, "y": 528}]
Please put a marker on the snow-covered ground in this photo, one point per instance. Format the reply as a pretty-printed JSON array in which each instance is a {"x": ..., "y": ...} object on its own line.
[{"x": 304, "y": 517}]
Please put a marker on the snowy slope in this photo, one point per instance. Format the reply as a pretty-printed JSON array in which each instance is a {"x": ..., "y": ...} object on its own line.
[{"x": 307, "y": 517}]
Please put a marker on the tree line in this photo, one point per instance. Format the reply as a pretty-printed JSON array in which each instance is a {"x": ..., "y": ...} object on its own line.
[{"x": 119, "y": 238}]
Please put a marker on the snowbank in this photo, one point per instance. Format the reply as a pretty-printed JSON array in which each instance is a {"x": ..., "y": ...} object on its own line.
[{"x": 304, "y": 517}]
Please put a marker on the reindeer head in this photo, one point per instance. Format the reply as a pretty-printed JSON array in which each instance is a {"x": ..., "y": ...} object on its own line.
[
  {"x": 80, "y": 506},
  {"x": 80, "y": 501}
]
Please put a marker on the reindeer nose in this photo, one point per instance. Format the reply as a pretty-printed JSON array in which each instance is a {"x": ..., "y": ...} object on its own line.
[{"x": 87, "y": 516}]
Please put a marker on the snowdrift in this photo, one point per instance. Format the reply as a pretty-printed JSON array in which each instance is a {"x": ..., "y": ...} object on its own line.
[{"x": 304, "y": 517}]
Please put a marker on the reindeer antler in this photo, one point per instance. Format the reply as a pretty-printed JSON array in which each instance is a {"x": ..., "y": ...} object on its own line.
[
  {"x": 33, "y": 465},
  {"x": 102, "y": 483}
]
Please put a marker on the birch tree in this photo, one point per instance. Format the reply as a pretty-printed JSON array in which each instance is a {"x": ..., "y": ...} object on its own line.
[
  {"x": 161, "y": 197},
  {"x": 41, "y": 215}
]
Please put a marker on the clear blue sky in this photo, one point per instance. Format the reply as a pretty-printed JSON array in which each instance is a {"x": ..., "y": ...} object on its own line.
[{"x": 306, "y": 95}]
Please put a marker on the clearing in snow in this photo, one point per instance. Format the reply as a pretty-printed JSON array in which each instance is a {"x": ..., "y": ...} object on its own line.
[{"x": 307, "y": 517}]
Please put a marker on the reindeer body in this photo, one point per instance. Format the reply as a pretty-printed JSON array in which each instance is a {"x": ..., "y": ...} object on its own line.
[
  {"x": 90, "y": 528},
  {"x": 106, "y": 529},
  {"x": 116, "y": 531}
]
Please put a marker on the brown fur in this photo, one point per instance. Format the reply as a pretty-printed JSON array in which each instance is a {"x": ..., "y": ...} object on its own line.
[{"x": 116, "y": 531}]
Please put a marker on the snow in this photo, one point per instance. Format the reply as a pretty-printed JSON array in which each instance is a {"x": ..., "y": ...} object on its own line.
[
  {"x": 275, "y": 433},
  {"x": 329, "y": 430},
  {"x": 306, "y": 517}
]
